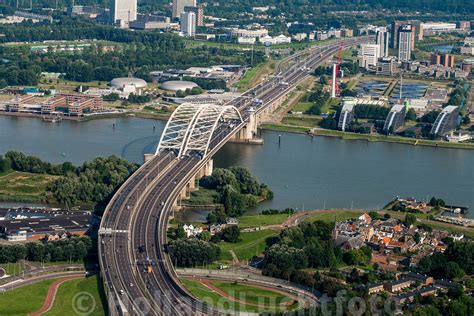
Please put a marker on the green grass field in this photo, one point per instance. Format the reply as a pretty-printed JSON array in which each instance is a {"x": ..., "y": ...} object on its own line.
[
  {"x": 252, "y": 221},
  {"x": 23, "y": 186},
  {"x": 250, "y": 293},
  {"x": 81, "y": 295},
  {"x": 302, "y": 107},
  {"x": 24, "y": 300},
  {"x": 251, "y": 244},
  {"x": 253, "y": 295},
  {"x": 302, "y": 120}
]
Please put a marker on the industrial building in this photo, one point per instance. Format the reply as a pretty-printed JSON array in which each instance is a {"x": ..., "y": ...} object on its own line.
[
  {"x": 73, "y": 104},
  {"x": 395, "y": 118},
  {"x": 347, "y": 113},
  {"x": 446, "y": 121},
  {"x": 34, "y": 224}
]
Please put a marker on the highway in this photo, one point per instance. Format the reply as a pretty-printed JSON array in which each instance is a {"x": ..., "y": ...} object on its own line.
[{"x": 138, "y": 275}]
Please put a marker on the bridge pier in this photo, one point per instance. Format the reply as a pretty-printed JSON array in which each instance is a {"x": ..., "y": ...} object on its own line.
[{"x": 193, "y": 184}]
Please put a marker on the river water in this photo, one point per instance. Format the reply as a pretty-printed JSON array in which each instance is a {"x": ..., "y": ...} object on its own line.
[{"x": 304, "y": 172}]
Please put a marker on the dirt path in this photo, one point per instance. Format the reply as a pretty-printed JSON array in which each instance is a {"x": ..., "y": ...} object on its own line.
[{"x": 51, "y": 295}]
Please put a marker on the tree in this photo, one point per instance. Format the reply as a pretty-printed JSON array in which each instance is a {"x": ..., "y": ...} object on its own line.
[
  {"x": 409, "y": 220},
  {"x": 231, "y": 234}
]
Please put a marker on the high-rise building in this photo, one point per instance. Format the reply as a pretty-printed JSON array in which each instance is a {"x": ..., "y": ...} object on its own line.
[
  {"x": 405, "y": 36},
  {"x": 394, "y": 36},
  {"x": 188, "y": 23},
  {"x": 382, "y": 39},
  {"x": 178, "y": 6},
  {"x": 198, "y": 11},
  {"x": 447, "y": 60},
  {"x": 416, "y": 28},
  {"x": 370, "y": 53},
  {"x": 122, "y": 12}
]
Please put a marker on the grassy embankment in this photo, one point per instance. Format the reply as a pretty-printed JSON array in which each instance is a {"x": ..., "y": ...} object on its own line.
[
  {"x": 91, "y": 289},
  {"x": 256, "y": 299},
  {"x": 24, "y": 187},
  {"x": 24, "y": 300},
  {"x": 255, "y": 74},
  {"x": 251, "y": 244}
]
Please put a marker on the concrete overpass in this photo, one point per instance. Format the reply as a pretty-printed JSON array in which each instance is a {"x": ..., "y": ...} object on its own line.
[{"x": 138, "y": 276}]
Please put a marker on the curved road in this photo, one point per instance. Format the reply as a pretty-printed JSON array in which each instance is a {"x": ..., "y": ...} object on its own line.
[{"x": 138, "y": 275}]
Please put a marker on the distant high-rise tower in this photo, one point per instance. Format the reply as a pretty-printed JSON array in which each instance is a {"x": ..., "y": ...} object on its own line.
[
  {"x": 122, "y": 12},
  {"x": 404, "y": 42},
  {"x": 178, "y": 6},
  {"x": 198, "y": 11},
  {"x": 382, "y": 39},
  {"x": 188, "y": 23}
]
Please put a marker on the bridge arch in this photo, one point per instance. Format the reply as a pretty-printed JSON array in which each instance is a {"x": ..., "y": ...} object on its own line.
[
  {"x": 177, "y": 128},
  {"x": 191, "y": 127},
  {"x": 207, "y": 123}
]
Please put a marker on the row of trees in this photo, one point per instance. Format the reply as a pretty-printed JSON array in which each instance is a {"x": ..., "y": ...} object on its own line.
[
  {"x": 94, "y": 181},
  {"x": 69, "y": 249},
  {"x": 238, "y": 190},
  {"x": 192, "y": 252},
  {"x": 319, "y": 99},
  {"x": 18, "y": 161}
]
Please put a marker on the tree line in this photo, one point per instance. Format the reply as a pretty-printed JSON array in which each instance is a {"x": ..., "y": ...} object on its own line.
[
  {"x": 68, "y": 249},
  {"x": 93, "y": 182}
]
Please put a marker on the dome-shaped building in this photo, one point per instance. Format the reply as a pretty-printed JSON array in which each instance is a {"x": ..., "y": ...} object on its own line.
[
  {"x": 120, "y": 83},
  {"x": 175, "y": 85}
]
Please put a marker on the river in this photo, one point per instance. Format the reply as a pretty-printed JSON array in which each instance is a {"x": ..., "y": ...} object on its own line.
[{"x": 304, "y": 172}]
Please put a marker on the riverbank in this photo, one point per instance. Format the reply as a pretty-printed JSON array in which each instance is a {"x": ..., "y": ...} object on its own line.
[
  {"x": 139, "y": 114},
  {"x": 366, "y": 137}
]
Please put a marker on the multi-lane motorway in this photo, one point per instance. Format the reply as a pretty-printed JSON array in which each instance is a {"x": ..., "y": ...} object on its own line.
[{"x": 138, "y": 275}]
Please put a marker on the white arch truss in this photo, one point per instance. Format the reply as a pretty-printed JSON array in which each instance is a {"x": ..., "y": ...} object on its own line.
[
  {"x": 209, "y": 120},
  {"x": 191, "y": 127},
  {"x": 177, "y": 128}
]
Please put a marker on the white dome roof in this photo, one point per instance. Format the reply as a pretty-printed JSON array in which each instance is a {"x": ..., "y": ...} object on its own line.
[
  {"x": 125, "y": 81},
  {"x": 175, "y": 85}
]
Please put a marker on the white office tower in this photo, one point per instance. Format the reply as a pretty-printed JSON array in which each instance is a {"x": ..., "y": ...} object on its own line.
[
  {"x": 334, "y": 78},
  {"x": 122, "y": 12},
  {"x": 188, "y": 23},
  {"x": 382, "y": 39},
  {"x": 404, "y": 42},
  {"x": 178, "y": 6},
  {"x": 370, "y": 54}
]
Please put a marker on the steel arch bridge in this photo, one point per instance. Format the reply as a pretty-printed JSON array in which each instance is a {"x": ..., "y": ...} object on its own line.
[{"x": 191, "y": 127}]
